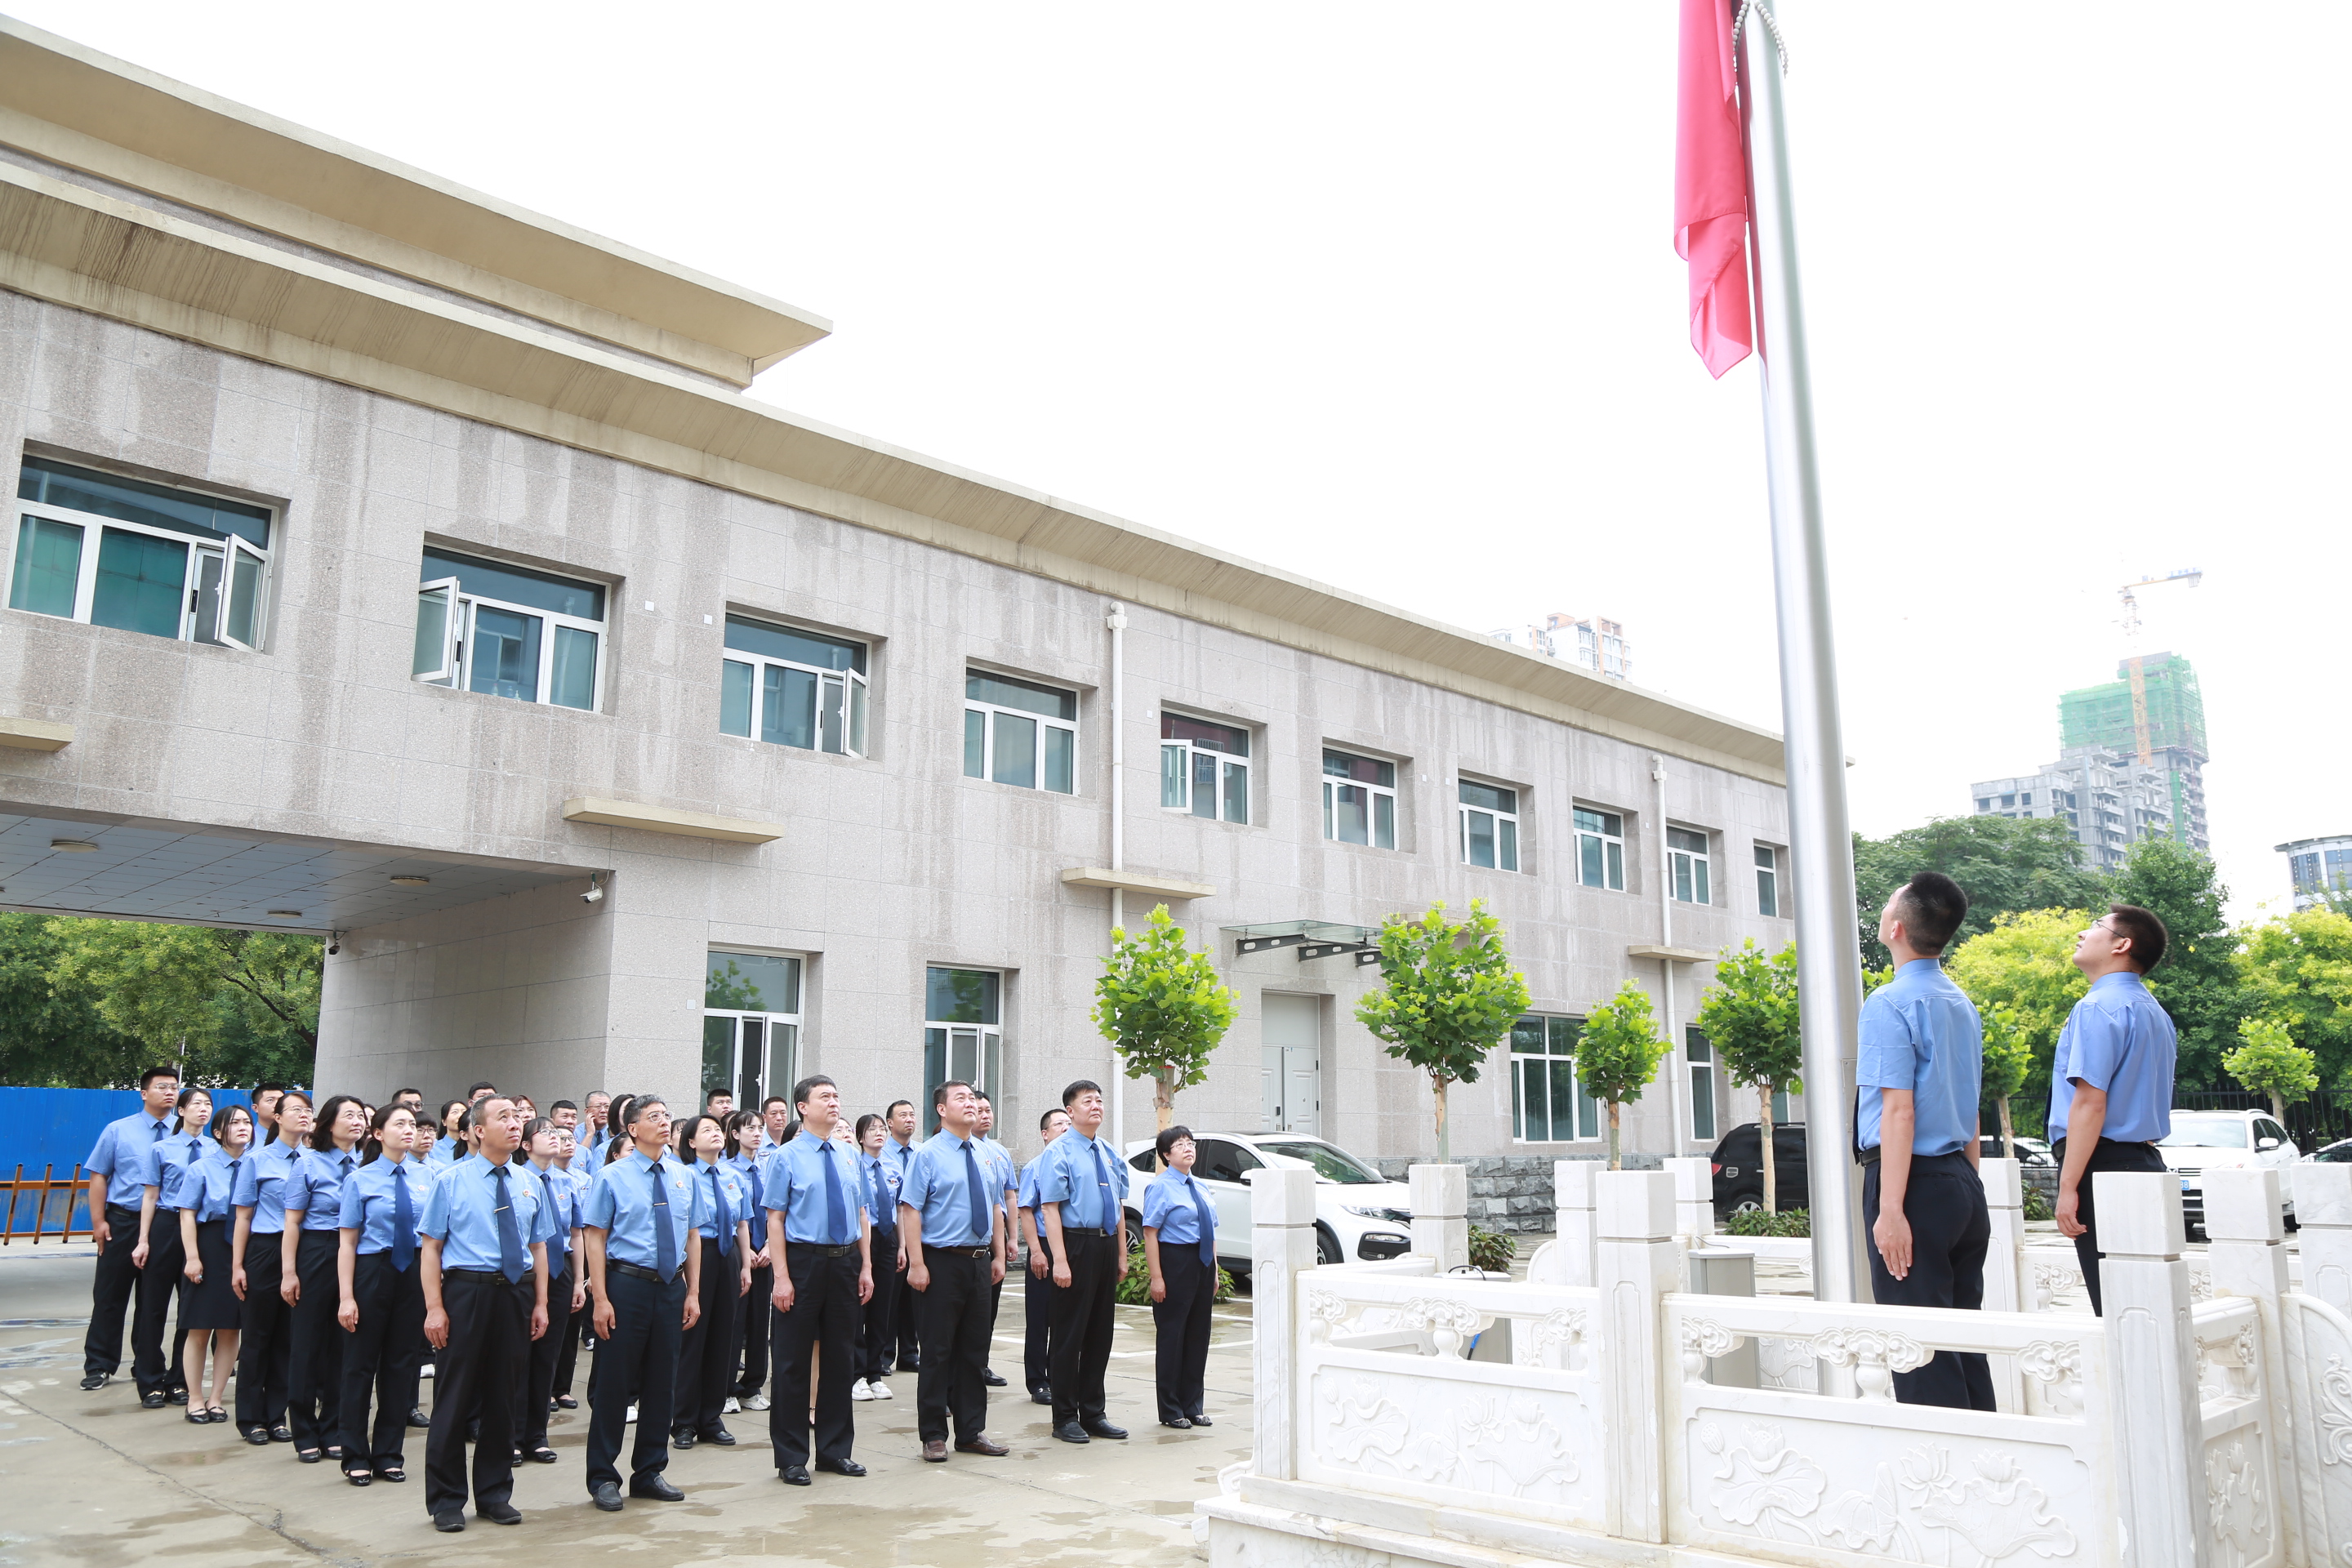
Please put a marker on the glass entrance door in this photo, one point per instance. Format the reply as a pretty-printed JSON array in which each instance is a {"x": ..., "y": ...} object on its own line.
[{"x": 751, "y": 1027}]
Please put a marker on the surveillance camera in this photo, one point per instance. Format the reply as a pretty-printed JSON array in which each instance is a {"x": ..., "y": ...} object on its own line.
[
  {"x": 333, "y": 948},
  {"x": 595, "y": 895}
]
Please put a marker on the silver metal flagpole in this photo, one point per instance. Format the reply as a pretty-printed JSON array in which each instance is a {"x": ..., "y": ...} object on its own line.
[{"x": 1829, "y": 952}]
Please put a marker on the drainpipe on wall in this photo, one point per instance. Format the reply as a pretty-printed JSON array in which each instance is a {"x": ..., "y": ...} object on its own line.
[
  {"x": 1673, "y": 1066},
  {"x": 1117, "y": 622}
]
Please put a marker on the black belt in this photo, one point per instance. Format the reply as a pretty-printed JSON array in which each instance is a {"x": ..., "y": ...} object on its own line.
[
  {"x": 2059, "y": 1147},
  {"x": 960, "y": 1251},
  {"x": 1870, "y": 1157},
  {"x": 823, "y": 1249},
  {"x": 638, "y": 1272},
  {"x": 481, "y": 1274},
  {"x": 1088, "y": 1234}
]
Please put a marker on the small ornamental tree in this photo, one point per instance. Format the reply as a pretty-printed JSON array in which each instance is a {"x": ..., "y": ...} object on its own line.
[
  {"x": 2008, "y": 1057},
  {"x": 1618, "y": 1054},
  {"x": 1162, "y": 1008},
  {"x": 1450, "y": 997},
  {"x": 2270, "y": 1063},
  {"x": 1750, "y": 1016}
]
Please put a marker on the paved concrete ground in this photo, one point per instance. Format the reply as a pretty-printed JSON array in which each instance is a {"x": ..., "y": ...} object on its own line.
[{"x": 94, "y": 1480}]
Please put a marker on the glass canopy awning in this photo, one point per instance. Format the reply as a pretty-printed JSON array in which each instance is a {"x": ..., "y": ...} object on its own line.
[{"x": 1313, "y": 939}]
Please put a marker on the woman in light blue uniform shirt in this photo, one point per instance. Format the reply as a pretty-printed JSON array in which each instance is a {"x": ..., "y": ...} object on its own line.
[
  {"x": 706, "y": 1352},
  {"x": 314, "y": 1218},
  {"x": 569, "y": 1172},
  {"x": 1180, "y": 1246},
  {"x": 159, "y": 1254},
  {"x": 208, "y": 1310},
  {"x": 382, "y": 1306},
  {"x": 746, "y": 1132},
  {"x": 263, "y": 1330},
  {"x": 560, "y": 1230}
]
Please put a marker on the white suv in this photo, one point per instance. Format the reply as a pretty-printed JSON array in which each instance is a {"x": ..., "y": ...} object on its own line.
[
  {"x": 1360, "y": 1214},
  {"x": 2204, "y": 1140}
]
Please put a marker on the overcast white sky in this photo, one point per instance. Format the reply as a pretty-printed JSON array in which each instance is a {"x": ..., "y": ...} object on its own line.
[{"x": 1386, "y": 294}]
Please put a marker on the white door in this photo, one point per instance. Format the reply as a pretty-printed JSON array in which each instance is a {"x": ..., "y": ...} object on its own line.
[{"x": 1292, "y": 1035}]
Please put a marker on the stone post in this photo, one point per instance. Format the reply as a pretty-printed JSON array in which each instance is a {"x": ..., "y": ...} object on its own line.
[
  {"x": 1694, "y": 1177},
  {"x": 1579, "y": 1243},
  {"x": 1282, "y": 1246},
  {"x": 1441, "y": 1214},
  {"x": 2248, "y": 1256},
  {"x": 2006, "y": 1288},
  {"x": 1639, "y": 1263},
  {"x": 2152, "y": 1367},
  {"x": 2323, "y": 1207}
]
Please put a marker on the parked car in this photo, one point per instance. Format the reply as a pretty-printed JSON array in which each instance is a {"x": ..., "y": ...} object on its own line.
[
  {"x": 2203, "y": 1141},
  {"x": 1739, "y": 1169},
  {"x": 2336, "y": 1153},
  {"x": 2030, "y": 1150},
  {"x": 1360, "y": 1214}
]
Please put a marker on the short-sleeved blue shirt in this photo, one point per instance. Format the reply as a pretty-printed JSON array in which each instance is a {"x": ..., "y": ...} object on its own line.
[
  {"x": 371, "y": 1202},
  {"x": 1177, "y": 1208},
  {"x": 796, "y": 1189},
  {"x": 2119, "y": 1038},
  {"x": 877, "y": 1179},
  {"x": 1086, "y": 1177},
  {"x": 263, "y": 1183},
  {"x": 554, "y": 1212},
  {"x": 715, "y": 1180},
  {"x": 125, "y": 1154},
  {"x": 938, "y": 1187},
  {"x": 317, "y": 1187},
  {"x": 461, "y": 1212},
  {"x": 755, "y": 1189},
  {"x": 1920, "y": 1032},
  {"x": 621, "y": 1204},
  {"x": 167, "y": 1159},
  {"x": 208, "y": 1185}
]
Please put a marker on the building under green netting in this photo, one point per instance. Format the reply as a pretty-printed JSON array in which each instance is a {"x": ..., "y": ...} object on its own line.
[{"x": 2104, "y": 718}]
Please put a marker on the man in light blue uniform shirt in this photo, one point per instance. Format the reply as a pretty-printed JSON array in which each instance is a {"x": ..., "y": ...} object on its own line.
[
  {"x": 2111, "y": 1076},
  {"x": 1920, "y": 1067},
  {"x": 1082, "y": 1196},
  {"x": 1037, "y": 1291},
  {"x": 817, "y": 1231},
  {"x": 904, "y": 1353},
  {"x": 954, "y": 1236},
  {"x": 118, "y": 1169},
  {"x": 1006, "y": 1182}
]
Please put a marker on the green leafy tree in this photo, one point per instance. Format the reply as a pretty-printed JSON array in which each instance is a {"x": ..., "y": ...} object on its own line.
[
  {"x": 2297, "y": 972},
  {"x": 2026, "y": 964},
  {"x": 1750, "y": 1015},
  {"x": 2006, "y": 866},
  {"x": 2270, "y": 1063},
  {"x": 1618, "y": 1054},
  {"x": 226, "y": 1005},
  {"x": 52, "y": 1034},
  {"x": 2198, "y": 982},
  {"x": 2008, "y": 1058},
  {"x": 1161, "y": 1006},
  {"x": 1448, "y": 998}
]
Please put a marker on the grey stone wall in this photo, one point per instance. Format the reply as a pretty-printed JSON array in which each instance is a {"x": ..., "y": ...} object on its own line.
[{"x": 1512, "y": 1193}]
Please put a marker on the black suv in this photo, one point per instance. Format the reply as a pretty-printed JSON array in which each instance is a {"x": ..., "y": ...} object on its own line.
[{"x": 1739, "y": 1171}]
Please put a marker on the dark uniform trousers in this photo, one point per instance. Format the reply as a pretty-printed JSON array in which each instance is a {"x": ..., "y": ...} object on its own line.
[
  {"x": 953, "y": 1315},
  {"x": 379, "y": 1359},
  {"x": 879, "y": 1319},
  {"x": 822, "y": 1328},
  {"x": 1037, "y": 1313},
  {"x": 905, "y": 1351},
  {"x": 1950, "y": 1231},
  {"x": 115, "y": 1283},
  {"x": 637, "y": 1365},
  {"x": 315, "y": 1343},
  {"x": 752, "y": 1370},
  {"x": 1081, "y": 1325},
  {"x": 264, "y": 1324},
  {"x": 706, "y": 1352},
  {"x": 2109, "y": 1155},
  {"x": 546, "y": 1352},
  {"x": 1183, "y": 1320},
  {"x": 159, "y": 1288},
  {"x": 473, "y": 1375},
  {"x": 571, "y": 1325}
]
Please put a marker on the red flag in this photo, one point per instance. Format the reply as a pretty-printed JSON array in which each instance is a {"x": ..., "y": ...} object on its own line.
[{"x": 1711, "y": 188}]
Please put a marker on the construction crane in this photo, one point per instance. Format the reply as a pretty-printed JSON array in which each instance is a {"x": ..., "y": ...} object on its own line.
[{"x": 2188, "y": 576}]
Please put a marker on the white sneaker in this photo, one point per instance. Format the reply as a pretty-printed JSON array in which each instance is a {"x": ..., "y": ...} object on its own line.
[
  {"x": 861, "y": 1391},
  {"x": 732, "y": 1407},
  {"x": 881, "y": 1389},
  {"x": 424, "y": 1371},
  {"x": 755, "y": 1402},
  {"x": 630, "y": 1419}
]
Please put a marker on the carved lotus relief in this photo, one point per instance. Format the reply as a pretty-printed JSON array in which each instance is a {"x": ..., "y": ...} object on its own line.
[
  {"x": 2236, "y": 1504},
  {"x": 1504, "y": 1446}
]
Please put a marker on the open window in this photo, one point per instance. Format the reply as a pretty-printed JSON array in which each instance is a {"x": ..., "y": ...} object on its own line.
[
  {"x": 508, "y": 631},
  {"x": 436, "y": 633}
]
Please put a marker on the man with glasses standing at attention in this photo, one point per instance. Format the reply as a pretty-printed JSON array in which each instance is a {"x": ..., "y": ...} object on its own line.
[
  {"x": 950, "y": 1218},
  {"x": 2111, "y": 1076},
  {"x": 817, "y": 1234},
  {"x": 120, "y": 1168},
  {"x": 1082, "y": 1194}
]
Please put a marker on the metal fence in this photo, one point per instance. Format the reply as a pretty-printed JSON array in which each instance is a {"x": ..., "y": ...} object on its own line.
[
  {"x": 58, "y": 1126},
  {"x": 2314, "y": 1123},
  {"x": 48, "y": 1206}
]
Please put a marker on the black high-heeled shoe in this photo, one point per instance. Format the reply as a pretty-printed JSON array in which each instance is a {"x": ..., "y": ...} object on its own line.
[
  {"x": 359, "y": 1477},
  {"x": 390, "y": 1473}
]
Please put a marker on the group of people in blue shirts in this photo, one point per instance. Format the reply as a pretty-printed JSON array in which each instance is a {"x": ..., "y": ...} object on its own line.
[{"x": 332, "y": 1256}]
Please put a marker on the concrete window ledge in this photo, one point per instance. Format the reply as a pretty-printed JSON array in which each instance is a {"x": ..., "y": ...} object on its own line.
[
  {"x": 36, "y": 734},
  {"x": 664, "y": 819},
  {"x": 1136, "y": 882}
]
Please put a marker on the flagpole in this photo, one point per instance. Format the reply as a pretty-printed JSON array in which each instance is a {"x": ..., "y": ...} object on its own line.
[{"x": 1828, "y": 953}]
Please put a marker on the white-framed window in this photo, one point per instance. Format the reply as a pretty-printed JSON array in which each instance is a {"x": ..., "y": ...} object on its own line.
[
  {"x": 1767, "y": 879},
  {"x": 508, "y": 631},
  {"x": 115, "y": 552},
  {"x": 1359, "y": 800},
  {"x": 1204, "y": 768},
  {"x": 1599, "y": 849},
  {"x": 750, "y": 1026},
  {"x": 792, "y": 687},
  {"x": 963, "y": 1036},
  {"x": 1490, "y": 824},
  {"x": 1020, "y": 733},
  {"x": 1698, "y": 1051},
  {"x": 1686, "y": 865},
  {"x": 1547, "y": 1104}
]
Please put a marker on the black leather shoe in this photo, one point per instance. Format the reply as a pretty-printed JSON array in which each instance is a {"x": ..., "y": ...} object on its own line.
[
  {"x": 1041, "y": 1396},
  {"x": 450, "y": 1522},
  {"x": 542, "y": 1454},
  {"x": 282, "y": 1433},
  {"x": 987, "y": 1375},
  {"x": 793, "y": 1475},
  {"x": 96, "y": 1380},
  {"x": 1071, "y": 1432},
  {"x": 718, "y": 1434},
  {"x": 176, "y": 1396},
  {"x": 987, "y": 1446},
  {"x": 418, "y": 1419},
  {"x": 842, "y": 1467},
  {"x": 657, "y": 1488},
  {"x": 681, "y": 1440},
  {"x": 1103, "y": 1429},
  {"x": 499, "y": 1513},
  {"x": 1201, "y": 1421},
  {"x": 606, "y": 1495},
  {"x": 1182, "y": 1423},
  {"x": 258, "y": 1436},
  {"x": 154, "y": 1399}
]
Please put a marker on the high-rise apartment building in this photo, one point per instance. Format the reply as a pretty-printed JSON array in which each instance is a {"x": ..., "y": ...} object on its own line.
[
  {"x": 1597, "y": 644},
  {"x": 2153, "y": 714},
  {"x": 2319, "y": 866},
  {"x": 2108, "y": 800}
]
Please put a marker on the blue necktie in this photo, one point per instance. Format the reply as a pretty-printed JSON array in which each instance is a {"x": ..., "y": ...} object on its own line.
[
  {"x": 836, "y": 1203},
  {"x": 981, "y": 1221},
  {"x": 233, "y": 1164},
  {"x": 1208, "y": 1234},
  {"x": 884, "y": 1219},
  {"x": 1102, "y": 1181},
  {"x": 404, "y": 1221},
  {"x": 726, "y": 1220},
  {"x": 664, "y": 1239},
  {"x": 510, "y": 1258}
]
